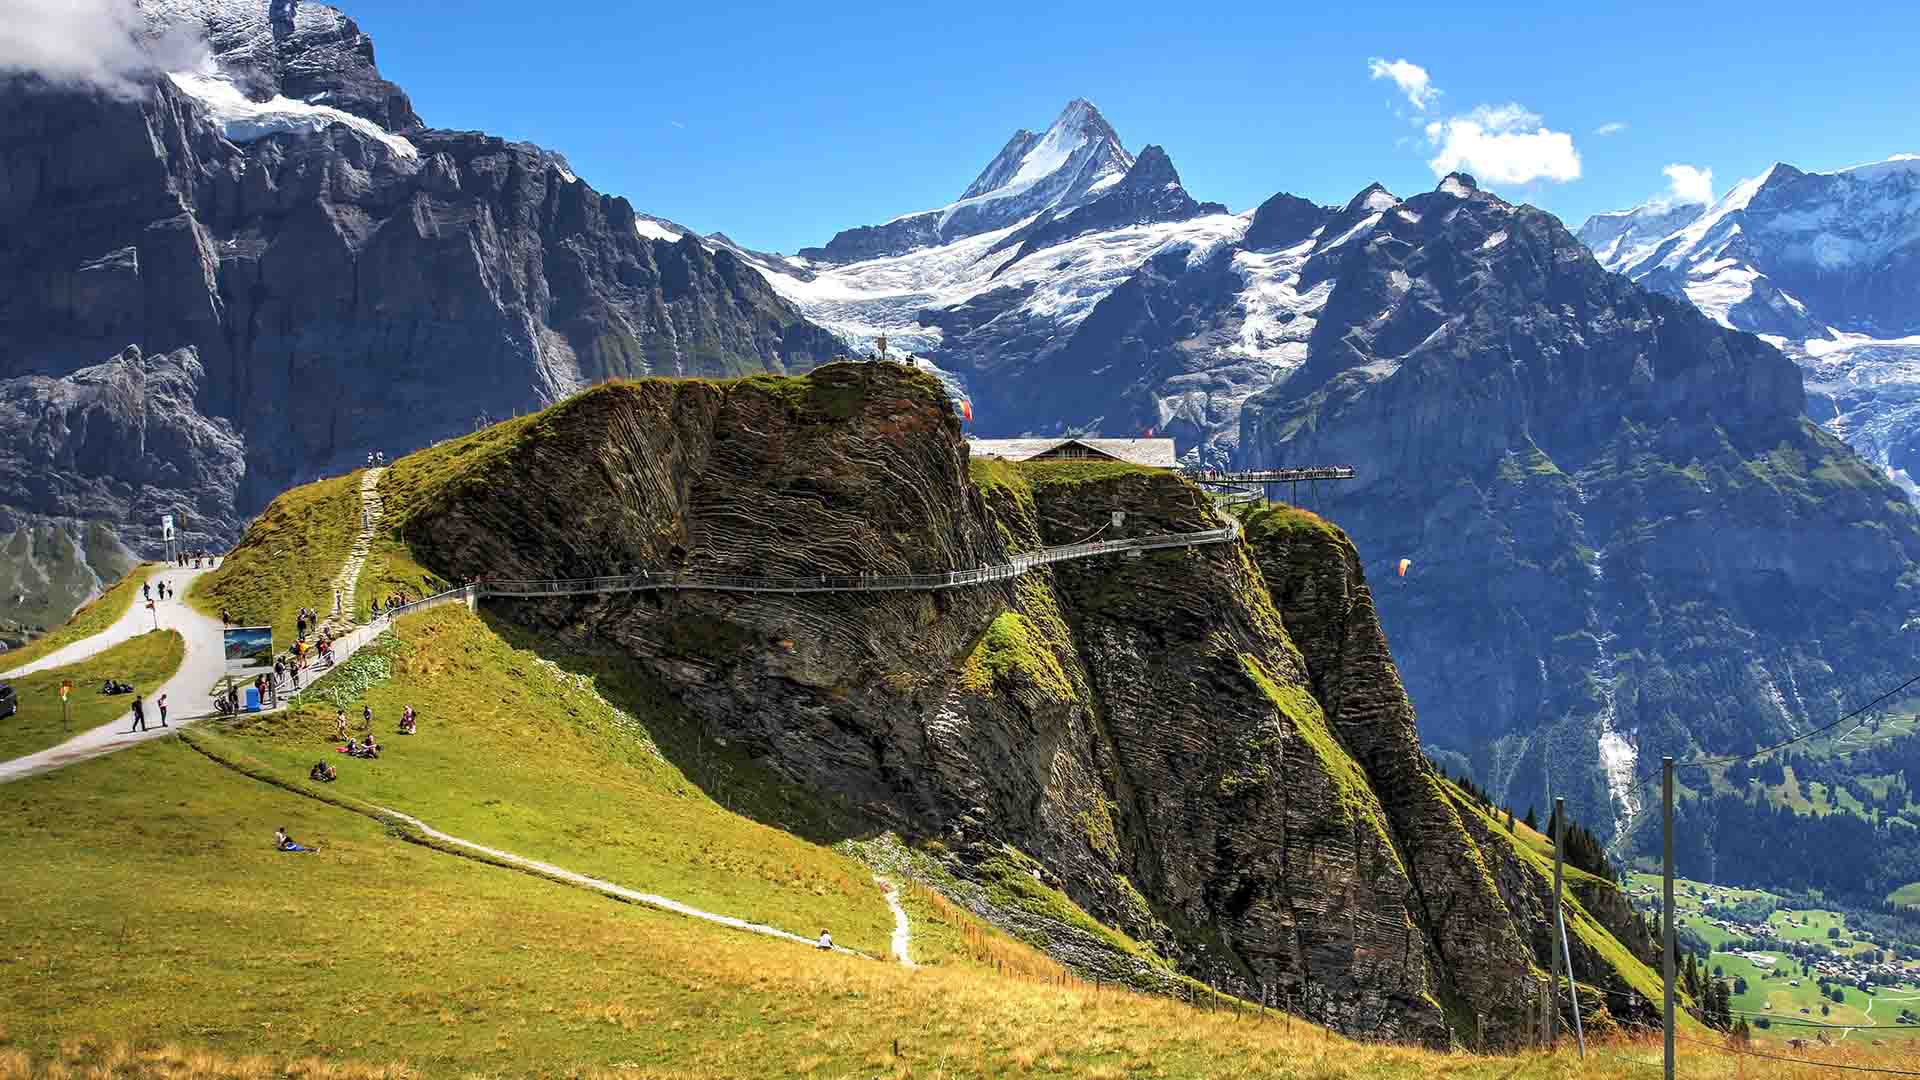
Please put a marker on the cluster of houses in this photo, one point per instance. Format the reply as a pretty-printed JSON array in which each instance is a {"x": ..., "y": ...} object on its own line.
[{"x": 1823, "y": 960}]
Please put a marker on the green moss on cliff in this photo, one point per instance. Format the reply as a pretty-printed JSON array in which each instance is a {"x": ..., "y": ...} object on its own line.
[
  {"x": 1012, "y": 646},
  {"x": 1281, "y": 521},
  {"x": 1303, "y": 712},
  {"x": 1013, "y": 880}
]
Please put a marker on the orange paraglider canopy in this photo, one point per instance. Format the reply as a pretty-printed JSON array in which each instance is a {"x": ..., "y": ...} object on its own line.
[
  {"x": 1404, "y": 563},
  {"x": 966, "y": 409}
]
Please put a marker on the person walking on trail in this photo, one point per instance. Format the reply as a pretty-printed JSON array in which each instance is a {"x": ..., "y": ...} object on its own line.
[
  {"x": 825, "y": 943},
  {"x": 139, "y": 716},
  {"x": 146, "y": 592},
  {"x": 162, "y": 703},
  {"x": 336, "y": 601},
  {"x": 366, "y": 717},
  {"x": 226, "y": 617}
]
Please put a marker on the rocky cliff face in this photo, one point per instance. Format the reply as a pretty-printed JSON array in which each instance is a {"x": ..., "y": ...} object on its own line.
[
  {"x": 1825, "y": 265},
  {"x": 1207, "y": 747},
  {"x": 305, "y": 272},
  {"x": 1600, "y": 491}
]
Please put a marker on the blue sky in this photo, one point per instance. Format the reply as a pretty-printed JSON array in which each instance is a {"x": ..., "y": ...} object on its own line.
[{"x": 781, "y": 125}]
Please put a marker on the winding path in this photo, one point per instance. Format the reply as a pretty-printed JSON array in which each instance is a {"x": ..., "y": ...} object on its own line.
[
  {"x": 622, "y": 892},
  {"x": 189, "y": 691}
]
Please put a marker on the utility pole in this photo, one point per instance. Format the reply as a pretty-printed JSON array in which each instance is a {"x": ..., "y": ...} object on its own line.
[
  {"x": 1560, "y": 919},
  {"x": 1553, "y": 988},
  {"x": 1666, "y": 899}
]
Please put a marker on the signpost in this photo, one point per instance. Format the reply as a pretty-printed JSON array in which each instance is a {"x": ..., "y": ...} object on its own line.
[
  {"x": 156, "y": 614},
  {"x": 249, "y": 653}
]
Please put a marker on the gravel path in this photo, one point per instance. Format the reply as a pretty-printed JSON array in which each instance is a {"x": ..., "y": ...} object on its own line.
[
  {"x": 649, "y": 899},
  {"x": 902, "y": 930},
  {"x": 190, "y": 692}
]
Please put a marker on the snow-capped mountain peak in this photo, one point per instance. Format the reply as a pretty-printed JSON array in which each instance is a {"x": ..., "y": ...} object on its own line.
[
  {"x": 1826, "y": 265},
  {"x": 1061, "y": 169}
]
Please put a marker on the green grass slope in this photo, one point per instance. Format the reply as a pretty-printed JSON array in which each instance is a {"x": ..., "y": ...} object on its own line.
[
  {"x": 149, "y": 932},
  {"x": 570, "y": 761},
  {"x": 287, "y": 559}
]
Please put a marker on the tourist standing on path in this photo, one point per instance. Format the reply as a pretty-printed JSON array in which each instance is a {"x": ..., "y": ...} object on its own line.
[
  {"x": 146, "y": 592},
  {"x": 336, "y": 601},
  {"x": 163, "y": 709},
  {"x": 139, "y": 716},
  {"x": 226, "y": 618}
]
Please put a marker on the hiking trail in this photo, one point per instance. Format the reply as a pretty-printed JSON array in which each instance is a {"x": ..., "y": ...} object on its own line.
[
  {"x": 902, "y": 930},
  {"x": 346, "y": 583}
]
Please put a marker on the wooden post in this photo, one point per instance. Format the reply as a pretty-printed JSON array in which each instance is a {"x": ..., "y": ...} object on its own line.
[{"x": 1666, "y": 902}]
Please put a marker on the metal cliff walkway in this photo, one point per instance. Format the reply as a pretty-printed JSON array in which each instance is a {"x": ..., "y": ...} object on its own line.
[
  {"x": 951, "y": 579},
  {"x": 1256, "y": 485}
]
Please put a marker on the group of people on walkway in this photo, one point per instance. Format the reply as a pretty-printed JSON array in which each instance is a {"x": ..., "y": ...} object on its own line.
[
  {"x": 149, "y": 589},
  {"x": 196, "y": 559},
  {"x": 140, "y": 714},
  {"x": 376, "y": 458},
  {"x": 394, "y": 601}
]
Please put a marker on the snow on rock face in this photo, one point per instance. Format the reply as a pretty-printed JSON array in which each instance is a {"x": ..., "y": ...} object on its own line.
[
  {"x": 243, "y": 120},
  {"x": 287, "y": 48},
  {"x": 1826, "y": 266}
]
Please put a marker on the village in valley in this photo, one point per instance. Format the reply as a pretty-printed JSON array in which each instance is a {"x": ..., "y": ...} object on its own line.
[{"x": 1792, "y": 970}]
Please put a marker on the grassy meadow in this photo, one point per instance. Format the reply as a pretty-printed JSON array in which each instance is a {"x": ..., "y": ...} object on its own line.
[{"x": 145, "y": 661}]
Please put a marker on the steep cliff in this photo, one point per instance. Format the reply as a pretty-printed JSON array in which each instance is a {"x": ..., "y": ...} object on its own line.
[
  {"x": 311, "y": 273},
  {"x": 1626, "y": 539},
  {"x": 1206, "y": 748}
]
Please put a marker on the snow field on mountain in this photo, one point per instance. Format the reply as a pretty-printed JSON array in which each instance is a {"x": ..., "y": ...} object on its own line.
[{"x": 243, "y": 120}]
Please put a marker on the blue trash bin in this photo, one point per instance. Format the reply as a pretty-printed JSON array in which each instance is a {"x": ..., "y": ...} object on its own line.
[{"x": 253, "y": 699}]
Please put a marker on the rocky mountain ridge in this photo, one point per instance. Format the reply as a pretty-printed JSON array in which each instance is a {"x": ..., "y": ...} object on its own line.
[
  {"x": 297, "y": 270},
  {"x": 1824, "y": 265},
  {"x": 1206, "y": 748}
]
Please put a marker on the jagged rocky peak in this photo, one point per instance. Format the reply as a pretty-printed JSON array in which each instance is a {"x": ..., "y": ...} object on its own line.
[
  {"x": 1079, "y": 131},
  {"x": 1074, "y": 161},
  {"x": 306, "y": 52},
  {"x": 1149, "y": 193}
]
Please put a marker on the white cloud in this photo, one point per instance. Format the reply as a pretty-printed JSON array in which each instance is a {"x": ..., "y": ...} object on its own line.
[
  {"x": 1689, "y": 184},
  {"x": 1410, "y": 77},
  {"x": 76, "y": 42},
  {"x": 1502, "y": 144},
  {"x": 1611, "y": 127}
]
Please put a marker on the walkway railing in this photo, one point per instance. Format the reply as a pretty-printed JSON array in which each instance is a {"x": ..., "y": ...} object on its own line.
[
  {"x": 951, "y": 579},
  {"x": 1271, "y": 476}
]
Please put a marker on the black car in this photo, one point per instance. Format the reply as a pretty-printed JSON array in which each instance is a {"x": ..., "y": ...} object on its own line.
[{"x": 8, "y": 703}]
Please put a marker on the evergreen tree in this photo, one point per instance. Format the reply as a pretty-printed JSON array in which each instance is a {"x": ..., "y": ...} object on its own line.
[{"x": 1532, "y": 821}]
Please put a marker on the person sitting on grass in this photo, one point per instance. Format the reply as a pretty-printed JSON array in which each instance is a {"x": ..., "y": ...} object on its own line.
[
  {"x": 826, "y": 941},
  {"x": 409, "y": 722},
  {"x": 322, "y": 773},
  {"x": 284, "y": 842}
]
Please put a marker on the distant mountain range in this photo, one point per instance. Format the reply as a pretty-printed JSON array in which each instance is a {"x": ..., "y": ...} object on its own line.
[
  {"x": 1824, "y": 265},
  {"x": 1626, "y": 537}
]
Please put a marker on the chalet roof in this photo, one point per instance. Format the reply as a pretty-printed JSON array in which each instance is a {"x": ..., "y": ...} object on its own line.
[{"x": 1158, "y": 453}]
